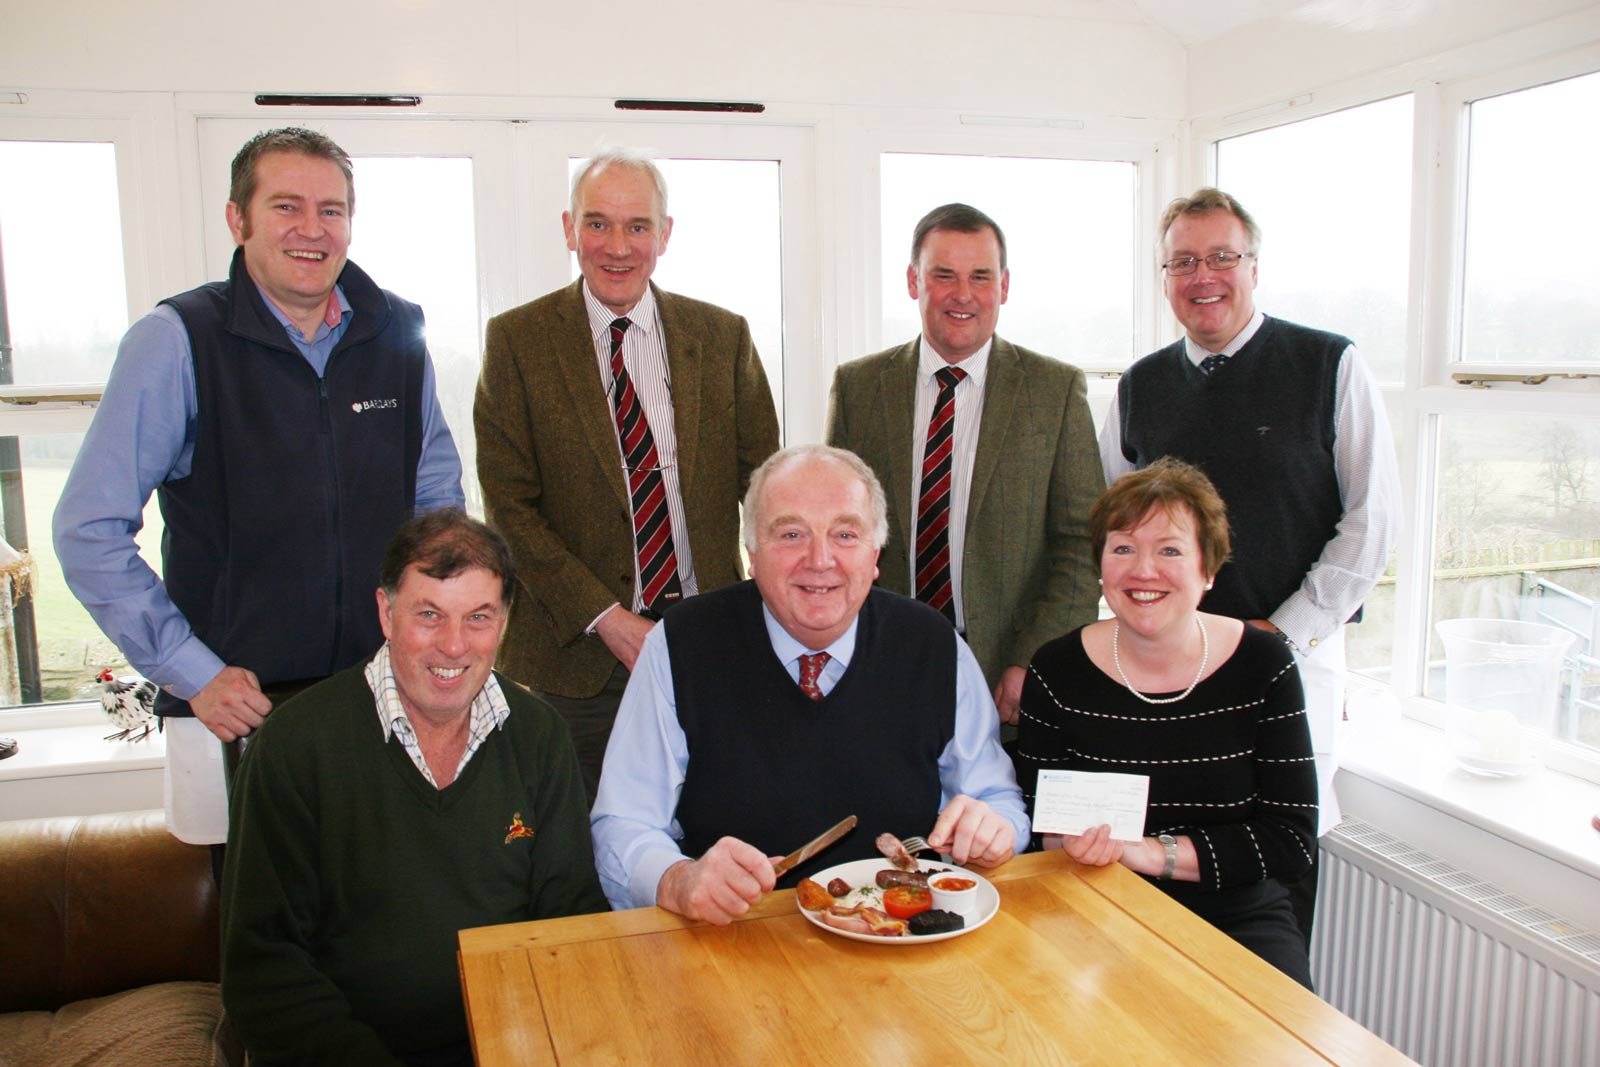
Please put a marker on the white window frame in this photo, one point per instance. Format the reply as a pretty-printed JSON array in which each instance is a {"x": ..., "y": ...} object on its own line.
[
  {"x": 1152, "y": 146},
  {"x": 137, "y": 125},
  {"x": 1433, "y": 333}
]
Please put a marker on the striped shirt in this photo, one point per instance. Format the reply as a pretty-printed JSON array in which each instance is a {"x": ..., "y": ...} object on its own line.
[
  {"x": 644, "y": 353},
  {"x": 489, "y": 712}
]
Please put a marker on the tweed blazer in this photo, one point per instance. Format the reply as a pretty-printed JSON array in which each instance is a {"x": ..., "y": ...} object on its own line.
[
  {"x": 1027, "y": 568},
  {"x": 552, "y": 476}
]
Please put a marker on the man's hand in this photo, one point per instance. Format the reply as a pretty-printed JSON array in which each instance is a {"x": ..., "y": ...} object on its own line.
[
  {"x": 1008, "y": 695},
  {"x": 719, "y": 886},
  {"x": 232, "y": 704},
  {"x": 1265, "y": 624},
  {"x": 971, "y": 832},
  {"x": 624, "y": 633}
]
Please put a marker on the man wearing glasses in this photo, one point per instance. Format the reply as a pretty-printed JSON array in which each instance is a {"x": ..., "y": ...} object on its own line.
[{"x": 1289, "y": 424}]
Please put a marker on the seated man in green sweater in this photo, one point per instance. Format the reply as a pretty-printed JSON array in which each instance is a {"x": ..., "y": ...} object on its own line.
[{"x": 386, "y": 808}]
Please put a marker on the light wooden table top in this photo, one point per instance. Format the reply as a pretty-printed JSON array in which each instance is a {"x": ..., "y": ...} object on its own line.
[{"x": 1080, "y": 966}]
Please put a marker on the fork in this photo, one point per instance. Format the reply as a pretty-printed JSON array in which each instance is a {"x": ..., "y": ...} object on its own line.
[{"x": 916, "y": 844}]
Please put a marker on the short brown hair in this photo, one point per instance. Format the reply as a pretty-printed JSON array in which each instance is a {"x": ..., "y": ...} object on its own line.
[
  {"x": 242, "y": 184},
  {"x": 1177, "y": 488},
  {"x": 1203, "y": 202},
  {"x": 441, "y": 544},
  {"x": 961, "y": 218}
]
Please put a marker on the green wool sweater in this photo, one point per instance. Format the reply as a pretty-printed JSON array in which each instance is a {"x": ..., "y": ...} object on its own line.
[{"x": 348, "y": 875}]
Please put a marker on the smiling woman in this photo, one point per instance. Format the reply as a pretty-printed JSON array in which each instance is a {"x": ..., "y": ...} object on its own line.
[{"x": 1210, "y": 710}]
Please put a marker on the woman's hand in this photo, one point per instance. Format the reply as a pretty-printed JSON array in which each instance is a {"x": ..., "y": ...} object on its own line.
[{"x": 1095, "y": 848}]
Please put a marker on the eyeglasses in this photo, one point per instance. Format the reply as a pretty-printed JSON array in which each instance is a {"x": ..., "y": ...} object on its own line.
[{"x": 1216, "y": 261}]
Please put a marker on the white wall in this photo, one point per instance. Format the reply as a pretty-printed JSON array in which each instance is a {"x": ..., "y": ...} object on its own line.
[
  {"x": 712, "y": 49},
  {"x": 1328, "y": 43}
]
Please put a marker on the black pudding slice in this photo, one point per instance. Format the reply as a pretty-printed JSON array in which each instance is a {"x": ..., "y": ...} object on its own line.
[{"x": 935, "y": 922}]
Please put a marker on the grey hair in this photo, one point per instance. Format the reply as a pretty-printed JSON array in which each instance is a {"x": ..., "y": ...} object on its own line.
[
  {"x": 796, "y": 454},
  {"x": 629, "y": 158},
  {"x": 1203, "y": 202}
]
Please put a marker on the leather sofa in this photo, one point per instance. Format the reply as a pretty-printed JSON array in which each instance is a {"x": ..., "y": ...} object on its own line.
[{"x": 109, "y": 935}]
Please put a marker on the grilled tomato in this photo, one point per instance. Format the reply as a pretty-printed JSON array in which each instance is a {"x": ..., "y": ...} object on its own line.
[{"x": 904, "y": 901}]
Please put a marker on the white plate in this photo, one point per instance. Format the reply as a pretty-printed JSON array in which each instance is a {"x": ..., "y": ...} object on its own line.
[{"x": 864, "y": 872}]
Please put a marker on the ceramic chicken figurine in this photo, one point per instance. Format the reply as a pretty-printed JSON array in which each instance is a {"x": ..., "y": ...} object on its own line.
[{"x": 129, "y": 703}]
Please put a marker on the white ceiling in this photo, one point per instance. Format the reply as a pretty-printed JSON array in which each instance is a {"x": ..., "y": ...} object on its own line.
[{"x": 1189, "y": 21}]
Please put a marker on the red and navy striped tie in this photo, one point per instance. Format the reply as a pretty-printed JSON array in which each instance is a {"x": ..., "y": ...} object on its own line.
[
  {"x": 652, "y": 525},
  {"x": 933, "y": 499}
]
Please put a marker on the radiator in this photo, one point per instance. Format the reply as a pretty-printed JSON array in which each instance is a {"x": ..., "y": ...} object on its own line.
[{"x": 1446, "y": 967}]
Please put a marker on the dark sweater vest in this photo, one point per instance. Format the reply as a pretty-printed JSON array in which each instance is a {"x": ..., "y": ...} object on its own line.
[
  {"x": 274, "y": 540},
  {"x": 1262, "y": 428},
  {"x": 773, "y": 768}
]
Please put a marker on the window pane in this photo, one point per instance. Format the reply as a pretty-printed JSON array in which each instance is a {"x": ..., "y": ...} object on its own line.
[
  {"x": 71, "y": 648},
  {"x": 1333, "y": 198},
  {"x": 1517, "y": 511},
  {"x": 61, "y": 233},
  {"x": 1529, "y": 294},
  {"x": 739, "y": 267},
  {"x": 413, "y": 232},
  {"x": 1071, "y": 269}
]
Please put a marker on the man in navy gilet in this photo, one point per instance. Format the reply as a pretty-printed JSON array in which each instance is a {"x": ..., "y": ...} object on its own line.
[
  {"x": 761, "y": 714},
  {"x": 1288, "y": 422},
  {"x": 287, "y": 421}
]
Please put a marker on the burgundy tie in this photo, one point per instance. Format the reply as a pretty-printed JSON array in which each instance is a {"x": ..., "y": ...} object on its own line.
[
  {"x": 652, "y": 526},
  {"x": 811, "y": 664},
  {"x": 933, "y": 500}
]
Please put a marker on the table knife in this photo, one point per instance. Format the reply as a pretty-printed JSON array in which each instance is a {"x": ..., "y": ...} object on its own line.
[{"x": 814, "y": 846}]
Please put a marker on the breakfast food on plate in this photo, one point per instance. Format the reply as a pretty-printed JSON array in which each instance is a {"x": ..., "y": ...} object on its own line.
[
  {"x": 904, "y": 901},
  {"x": 889, "y": 878},
  {"x": 935, "y": 921},
  {"x": 897, "y": 910},
  {"x": 813, "y": 897},
  {"x": 895, "y": 852},
  {"x": 897, "y": 902},
  {"x": 863, "y": 920}
]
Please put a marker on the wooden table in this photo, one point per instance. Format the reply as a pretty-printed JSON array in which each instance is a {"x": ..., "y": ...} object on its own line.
[{"x": 1081, "y": 966}]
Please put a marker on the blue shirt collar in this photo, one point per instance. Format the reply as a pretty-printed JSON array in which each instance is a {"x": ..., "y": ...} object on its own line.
[
  {"x": 323, "y": 329},
  {"x": 789, "y": 650}
]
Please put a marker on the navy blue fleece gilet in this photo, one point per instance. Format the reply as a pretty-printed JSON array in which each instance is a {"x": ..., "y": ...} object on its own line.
[{"x": 274, "y": 539}]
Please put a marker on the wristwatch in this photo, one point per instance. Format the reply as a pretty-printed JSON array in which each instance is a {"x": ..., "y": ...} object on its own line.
[{"x": 1169, "y": 845}]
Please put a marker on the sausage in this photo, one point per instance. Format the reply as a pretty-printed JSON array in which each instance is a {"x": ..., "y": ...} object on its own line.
[
  {"x": 895, "y": 852},
  {"x": 889, "y": 878},
  {"x": 839, "y": 887}
]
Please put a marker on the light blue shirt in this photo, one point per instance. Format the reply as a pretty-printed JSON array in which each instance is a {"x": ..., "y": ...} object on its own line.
[
  {"x": 634, "y": 824},
  {"x": 143, "y": 434}
]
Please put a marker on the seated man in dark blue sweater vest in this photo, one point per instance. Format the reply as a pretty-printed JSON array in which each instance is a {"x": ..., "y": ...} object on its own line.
[
  {"x": 381, "y": 811},
  {"x": 761, "y": 714}
]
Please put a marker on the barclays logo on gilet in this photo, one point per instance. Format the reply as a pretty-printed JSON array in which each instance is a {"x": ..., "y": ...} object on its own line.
[{"x": 374, "y": 405}]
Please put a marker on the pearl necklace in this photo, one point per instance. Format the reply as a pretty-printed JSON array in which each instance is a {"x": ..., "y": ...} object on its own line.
[{"x": 1205, "y": 656}]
